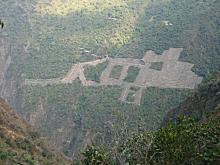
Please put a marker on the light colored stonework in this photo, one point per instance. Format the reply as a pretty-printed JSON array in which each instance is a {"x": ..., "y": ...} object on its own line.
[{"x": 173, "y": 74}]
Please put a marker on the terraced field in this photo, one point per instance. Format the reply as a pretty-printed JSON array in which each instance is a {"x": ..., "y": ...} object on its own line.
[{"x": 173, "y": 74}]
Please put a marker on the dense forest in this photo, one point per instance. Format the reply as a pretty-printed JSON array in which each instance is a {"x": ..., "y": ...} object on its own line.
[{"x": 55, "y": 40}]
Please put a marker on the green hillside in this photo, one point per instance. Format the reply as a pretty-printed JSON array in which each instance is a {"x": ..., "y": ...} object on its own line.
[
  {"x": 97, "y": 111},
  {"x": 192, "y": 140},
  {"x": 192, "y": 136},
  {"x": 118, "y": 28}
]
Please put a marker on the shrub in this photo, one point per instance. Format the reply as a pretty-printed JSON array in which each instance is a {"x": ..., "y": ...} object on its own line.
[
  {"x": 3, "y": 155},
  {"x": 132, "y": 74},
  {"x": 96, "y": 156},
  {"x": 186, "y": 142}
]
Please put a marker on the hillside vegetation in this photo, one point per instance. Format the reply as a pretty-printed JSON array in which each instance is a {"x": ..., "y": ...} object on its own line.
[
  {"x": 87, "y": 114},
  {"x": 21, "y": 144},
  {"x": 205, "y": 100},
  {"x": 59, "y": 33},
  {"x": 185, "y": 141},
  {"x": 193, "y": 136}
]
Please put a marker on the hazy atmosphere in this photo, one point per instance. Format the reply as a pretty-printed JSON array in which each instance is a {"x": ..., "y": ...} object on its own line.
[{"x": 100, "y": 82}]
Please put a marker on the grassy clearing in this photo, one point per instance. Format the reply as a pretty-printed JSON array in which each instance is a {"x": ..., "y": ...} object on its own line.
[
  {"x": 132, "y": 74},
  {"x": 116, "y": 72},
  {"x": 156, "y": 66},
  {"x": 93, "y": 73}
]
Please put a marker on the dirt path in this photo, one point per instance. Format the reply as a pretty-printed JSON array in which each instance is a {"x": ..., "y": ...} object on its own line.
[
  {"x": 71, "y": 75},
  {"x": 77, "y": 71},
  {"x": 125, "y": 93}
]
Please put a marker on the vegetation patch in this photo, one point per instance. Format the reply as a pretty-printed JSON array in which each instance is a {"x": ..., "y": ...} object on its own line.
[
  {"x": 131, "y": 96},
  {"x": 3, "y": 153},
  {"x": 185, "y": 142},
  {"x": 132, "y": 74},
  {"x": 156, "y": 66},
  {"x": 116, "y": 72},
  {"x": 135, "y": 89},
  {"x": 93, "y": 73}
]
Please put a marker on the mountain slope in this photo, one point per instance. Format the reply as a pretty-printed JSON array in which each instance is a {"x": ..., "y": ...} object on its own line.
[
  {"x": 205, "y": 100},
  {"x": 185, "y": 141},
  {"x": 20, "y": 144}
]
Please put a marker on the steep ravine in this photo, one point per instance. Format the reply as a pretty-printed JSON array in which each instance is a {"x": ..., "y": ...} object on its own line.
[
  {"x": 7, "y": 86},
  {"x": 21, "y": 144},
  {"x": 10, "y": 85}
]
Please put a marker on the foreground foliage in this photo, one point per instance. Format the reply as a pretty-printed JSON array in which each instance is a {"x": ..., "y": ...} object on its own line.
[
  {"x": 189, "y": 134},
  {"x": 185, "y": 142}
]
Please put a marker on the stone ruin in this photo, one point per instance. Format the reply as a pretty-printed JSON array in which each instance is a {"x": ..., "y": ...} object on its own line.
[{"x": 162, "y": 71}]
